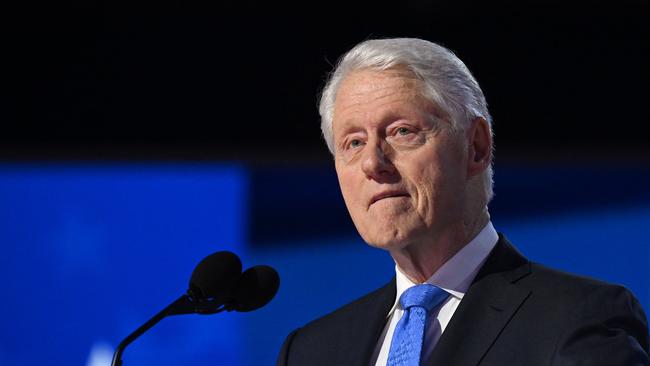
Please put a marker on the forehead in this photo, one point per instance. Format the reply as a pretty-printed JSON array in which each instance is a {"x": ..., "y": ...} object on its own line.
[
  {"x": 376, "y": 84},
  {"x": 371, "y": 94}
]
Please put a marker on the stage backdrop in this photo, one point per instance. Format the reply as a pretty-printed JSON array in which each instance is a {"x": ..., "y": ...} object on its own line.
[{"x": 91, "y": 251}]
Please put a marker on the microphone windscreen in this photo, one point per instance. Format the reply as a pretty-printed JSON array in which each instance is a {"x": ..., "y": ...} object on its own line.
[
  {"x": 257, "y": 286},
  {"x": 215, "y": 276}
]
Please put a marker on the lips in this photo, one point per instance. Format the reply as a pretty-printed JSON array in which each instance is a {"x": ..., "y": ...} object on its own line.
[{"x": 387, "y": 194}]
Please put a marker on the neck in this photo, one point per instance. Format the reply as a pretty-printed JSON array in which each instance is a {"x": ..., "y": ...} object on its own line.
[{"x": 419, "y": 261}]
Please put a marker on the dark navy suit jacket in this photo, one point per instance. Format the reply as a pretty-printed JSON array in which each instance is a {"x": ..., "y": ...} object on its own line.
[{"x": 514, "y": 313}]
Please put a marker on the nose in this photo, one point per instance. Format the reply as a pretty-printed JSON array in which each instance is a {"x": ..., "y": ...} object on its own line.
[{"x": 376, "y": 163}]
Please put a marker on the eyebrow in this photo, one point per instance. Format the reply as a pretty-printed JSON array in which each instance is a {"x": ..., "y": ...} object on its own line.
[{"x": 345, "y": 132}]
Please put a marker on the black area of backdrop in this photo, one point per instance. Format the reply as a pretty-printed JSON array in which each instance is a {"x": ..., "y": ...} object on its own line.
[{"x": 240, "y": 79}]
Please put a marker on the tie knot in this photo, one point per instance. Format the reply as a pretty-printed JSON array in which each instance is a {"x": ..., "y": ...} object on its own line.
[{"x": 425, "y": 295}]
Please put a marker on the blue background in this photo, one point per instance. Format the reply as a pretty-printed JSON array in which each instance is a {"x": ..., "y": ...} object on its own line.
[{"x": 91, "y": 251}]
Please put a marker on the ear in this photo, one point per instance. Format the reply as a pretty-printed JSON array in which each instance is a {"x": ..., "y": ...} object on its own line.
[{"x": 479, "y": 146}]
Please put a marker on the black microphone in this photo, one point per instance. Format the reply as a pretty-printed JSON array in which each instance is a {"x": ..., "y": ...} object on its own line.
[
  {"x": 257, "y": 286},
  {"x": 217, "y": 284},
  {"x": 214, "y": 281}
]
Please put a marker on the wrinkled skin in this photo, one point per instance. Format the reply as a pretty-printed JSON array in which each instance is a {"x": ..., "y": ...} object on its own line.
[{"x": 404, "y": 170}]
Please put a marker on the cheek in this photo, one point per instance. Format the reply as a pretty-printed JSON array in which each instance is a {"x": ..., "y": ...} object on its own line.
[
  {"x": 421, "y": 177},
  {"x": 349, "y": 189},
  {"x": 426, "y": 187},
  {"x": 429, "y": 186}
]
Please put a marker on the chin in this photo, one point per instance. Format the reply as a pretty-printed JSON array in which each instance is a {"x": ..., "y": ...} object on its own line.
[
  {"x": 389, "y": 241},
  {"x": 395, "y": 235}
]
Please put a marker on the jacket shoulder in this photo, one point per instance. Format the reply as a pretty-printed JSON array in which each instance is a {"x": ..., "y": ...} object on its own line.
[
  {"x": 351, "y": 312},
  {"x": 346, "y": 336},
  {"x": 588, "y": 308},
  {"x": 565, "y": 285}
]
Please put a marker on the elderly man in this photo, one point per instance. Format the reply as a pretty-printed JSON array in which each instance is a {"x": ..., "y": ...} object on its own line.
[{"x": 411, "y": 137}]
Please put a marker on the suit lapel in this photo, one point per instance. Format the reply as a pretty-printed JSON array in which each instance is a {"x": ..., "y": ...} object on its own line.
[
  {"x": 491, "y": 301},
  {"x": 367, "y": 325},
  {"x": 346, "y": 337}
]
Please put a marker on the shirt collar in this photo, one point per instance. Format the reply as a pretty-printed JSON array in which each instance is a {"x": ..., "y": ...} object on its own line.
[{"x": 459, "y": 271}]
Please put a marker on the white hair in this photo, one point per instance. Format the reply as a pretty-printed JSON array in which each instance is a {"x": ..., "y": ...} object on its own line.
[{"x": 447, "y": 82}]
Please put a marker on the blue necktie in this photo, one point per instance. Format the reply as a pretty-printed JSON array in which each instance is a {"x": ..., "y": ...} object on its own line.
[{"x": 406, "y": 345}]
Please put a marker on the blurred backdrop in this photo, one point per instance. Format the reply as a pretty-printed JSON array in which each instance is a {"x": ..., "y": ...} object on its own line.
[{"x": 139, "y": 137}]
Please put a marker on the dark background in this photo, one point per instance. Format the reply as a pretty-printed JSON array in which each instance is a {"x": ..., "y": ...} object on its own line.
[
  {"x": 137, "y": 137},
  {"x": 196, "y": 80}
]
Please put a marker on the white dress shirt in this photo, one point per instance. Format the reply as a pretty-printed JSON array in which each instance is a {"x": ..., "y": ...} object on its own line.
[{"x": 454, "y": 276}]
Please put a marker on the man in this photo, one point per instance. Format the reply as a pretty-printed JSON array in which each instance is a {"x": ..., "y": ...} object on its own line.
[{"x": 411, "y": 136}]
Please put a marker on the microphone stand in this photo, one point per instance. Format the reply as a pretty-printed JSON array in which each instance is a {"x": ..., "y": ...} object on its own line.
[{"x": 183, "y": 305}]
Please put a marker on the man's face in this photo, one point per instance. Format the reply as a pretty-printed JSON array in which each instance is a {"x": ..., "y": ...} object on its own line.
[{"x": 401, "y": 166}]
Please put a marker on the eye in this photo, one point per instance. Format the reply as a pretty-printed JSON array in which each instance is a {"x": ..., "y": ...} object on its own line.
[
  {"x": 355, "y": 143},
  {"x": 403, "y": 131}
]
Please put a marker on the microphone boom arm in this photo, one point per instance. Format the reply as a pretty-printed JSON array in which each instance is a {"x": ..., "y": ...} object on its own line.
[{"x": 182, "y": 305}]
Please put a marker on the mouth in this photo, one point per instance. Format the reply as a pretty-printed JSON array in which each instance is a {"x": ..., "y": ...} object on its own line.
[{"x": 387, "y": 194}]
